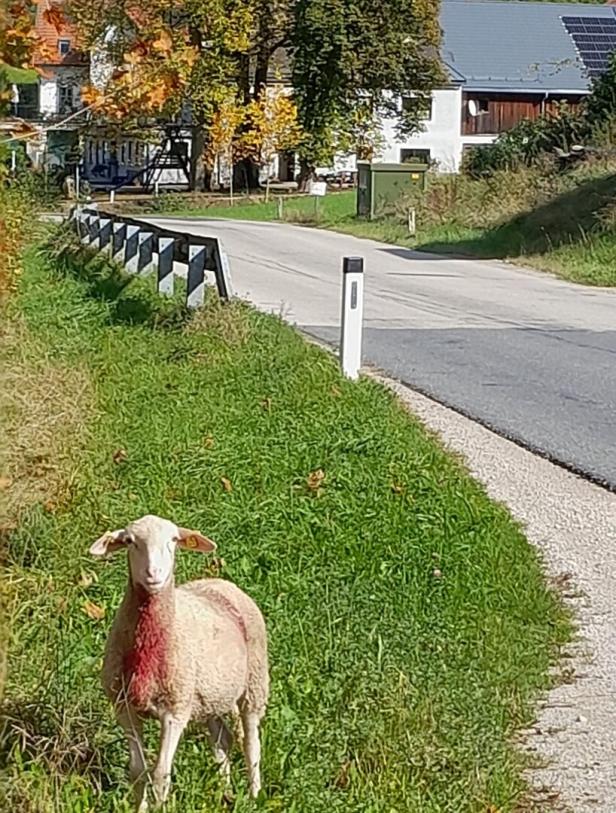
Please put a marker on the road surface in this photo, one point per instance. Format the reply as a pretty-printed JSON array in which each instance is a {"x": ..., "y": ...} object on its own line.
[{"x": 532, "y": 357}]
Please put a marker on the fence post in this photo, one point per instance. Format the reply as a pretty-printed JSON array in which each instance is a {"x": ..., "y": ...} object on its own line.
[
  {"x": 195, "y": 288},
  {"x": 104, "y": 234},
  {"x": 146, "y": 251},
  {"x": 165, "y": 265},
  {"x": 280, "y": 202},
  {"x": 412, "y": 222},
  {"x": 352, "y": 315},
  {"x": 117, "y": 240},
  {"x": 131, "y": 249}
]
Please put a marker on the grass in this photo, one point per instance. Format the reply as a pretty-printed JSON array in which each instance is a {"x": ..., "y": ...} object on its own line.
[
  {"x": 411, "y": 627},
  {"x": 560, "y": 222}
]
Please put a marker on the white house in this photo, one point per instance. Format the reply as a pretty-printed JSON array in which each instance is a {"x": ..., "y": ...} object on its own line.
[{"x": 507, "y": 61}]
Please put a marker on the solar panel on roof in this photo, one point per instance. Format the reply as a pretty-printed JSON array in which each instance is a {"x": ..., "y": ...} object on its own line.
[{"x": 594, "y": 39}]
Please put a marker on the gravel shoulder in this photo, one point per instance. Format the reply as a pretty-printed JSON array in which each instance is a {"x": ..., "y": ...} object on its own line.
[{"x": 572, "y": 522}]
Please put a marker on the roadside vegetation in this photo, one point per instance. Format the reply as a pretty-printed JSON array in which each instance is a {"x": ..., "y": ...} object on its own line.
[{"x": 411, "y": 626}]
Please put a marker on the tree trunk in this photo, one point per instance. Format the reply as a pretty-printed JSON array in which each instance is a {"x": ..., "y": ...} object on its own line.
[
  {"x": 306, "y": 174},
  {"x": 199, "y": 175}
]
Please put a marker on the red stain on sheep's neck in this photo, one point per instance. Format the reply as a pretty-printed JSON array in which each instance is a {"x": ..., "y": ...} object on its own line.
[{"x": 145, "y": 665}]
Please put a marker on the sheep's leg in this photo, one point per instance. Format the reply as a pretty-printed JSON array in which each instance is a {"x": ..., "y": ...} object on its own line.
[
  {"x": 252, "y": 749},
  {"x": 137, "y": 768},
  {"x": 221, "y": 741},
  {"x": 170, "y": 732}
]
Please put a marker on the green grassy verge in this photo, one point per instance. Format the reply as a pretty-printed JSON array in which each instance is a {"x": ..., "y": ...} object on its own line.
[
  {"x": 411, "y": 628},
  {"x": 561, "y": 222}
]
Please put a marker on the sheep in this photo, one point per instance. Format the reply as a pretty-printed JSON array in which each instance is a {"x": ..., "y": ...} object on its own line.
[{"x": 197, "y": 652}]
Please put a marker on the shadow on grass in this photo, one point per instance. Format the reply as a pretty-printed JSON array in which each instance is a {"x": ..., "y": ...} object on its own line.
[
  {"x": 131, "y": 299},
  {"x": 567, "y": 219}
]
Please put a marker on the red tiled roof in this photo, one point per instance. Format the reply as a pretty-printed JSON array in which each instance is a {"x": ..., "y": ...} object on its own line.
[{"x": 50, "y": 54}]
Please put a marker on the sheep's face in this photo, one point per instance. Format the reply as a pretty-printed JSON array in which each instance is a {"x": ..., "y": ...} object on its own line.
[{"x": 151, "y": 543}]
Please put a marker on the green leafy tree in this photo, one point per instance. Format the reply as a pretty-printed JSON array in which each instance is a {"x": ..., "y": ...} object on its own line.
[{"x": 352, "y": 62}]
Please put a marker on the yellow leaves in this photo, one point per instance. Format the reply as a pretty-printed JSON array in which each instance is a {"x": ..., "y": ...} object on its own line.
[
  {"x": 5, "y": 482},
  {"x": 54, "y": 16},
  {"x": 93, "y": 610},
  {"x": 163, "y": 43},
  {"x": 258, "y": 130}
]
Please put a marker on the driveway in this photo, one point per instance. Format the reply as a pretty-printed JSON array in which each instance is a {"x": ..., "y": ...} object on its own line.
[{"x": 531, "y": 357}]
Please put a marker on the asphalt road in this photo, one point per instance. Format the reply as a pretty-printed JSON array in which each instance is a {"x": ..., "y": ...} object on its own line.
[{"x": 529, "y": 356}]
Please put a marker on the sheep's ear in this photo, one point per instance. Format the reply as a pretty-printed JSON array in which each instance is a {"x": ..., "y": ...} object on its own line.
[
  {"x": 110, "y": 542},
  {"x": 193, "y": 540}
]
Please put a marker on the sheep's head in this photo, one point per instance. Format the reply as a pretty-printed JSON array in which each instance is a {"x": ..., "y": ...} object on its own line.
[{"x": 151, "y": 543}]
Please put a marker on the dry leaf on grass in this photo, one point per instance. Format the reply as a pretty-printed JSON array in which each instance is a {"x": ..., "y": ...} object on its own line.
[
  {"x": 5, "y": 482},
  {"x": 119, "y": 456},
  {"x": 93, "y": 611},
  {"x": 208, "y": 442},
  {"x": 86, "y": 579},
  {"x": 226, "y": 484},
  {"x": 315, "y": 480}
]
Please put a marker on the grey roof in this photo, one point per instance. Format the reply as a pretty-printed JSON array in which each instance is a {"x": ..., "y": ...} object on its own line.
[{"x": 514, "y": 46}]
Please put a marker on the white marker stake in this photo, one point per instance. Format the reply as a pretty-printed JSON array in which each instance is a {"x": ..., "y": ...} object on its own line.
[{"x": 352, "y": 315}]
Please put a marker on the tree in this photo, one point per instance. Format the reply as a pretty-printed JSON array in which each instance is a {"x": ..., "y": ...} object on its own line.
[
  {"x": 198, "y": 52},
  {"x": 271, "y": 128},
  {"x": 223, "y": 135},
  {"x": 167, "y": 53},
  {"x": 18, "y": 42},
  {"x": 352, "y": 62}
]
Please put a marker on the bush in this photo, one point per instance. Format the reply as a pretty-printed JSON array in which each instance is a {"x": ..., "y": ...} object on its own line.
[
  {"x": 16, "y": 212},
  {"x": 594, "y": 122}
]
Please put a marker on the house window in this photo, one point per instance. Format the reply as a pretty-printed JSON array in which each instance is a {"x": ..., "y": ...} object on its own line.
[
  {"x": 414, "y": 156},
  {"x": 64, "y": 46},
  {"x": 418, "y": 104},
  {"x": 66, "y": 99}
]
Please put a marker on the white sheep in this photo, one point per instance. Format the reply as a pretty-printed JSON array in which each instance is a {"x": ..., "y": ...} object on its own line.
[{"x": 197, "y": 652}]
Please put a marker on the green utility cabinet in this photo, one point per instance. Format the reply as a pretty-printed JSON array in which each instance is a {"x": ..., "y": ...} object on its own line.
[{"x": 379, "y": 186}]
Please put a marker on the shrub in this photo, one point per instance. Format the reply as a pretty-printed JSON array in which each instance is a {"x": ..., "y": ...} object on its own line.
[{"x": 16, "y": 211}]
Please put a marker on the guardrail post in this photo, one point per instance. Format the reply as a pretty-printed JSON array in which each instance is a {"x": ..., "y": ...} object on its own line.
[
  {"x": 195, "y": 289},
  {"x": 223, "y": 272},
  {"x": 117, "y": 240},
  {"x": 165, "y": 265},
  {"x": 352, "y": 315},
  {"x": 146, "y": 251},
  {"x": 131, "y": 249},
  {"x": 84, "y": 231},
  {"x": 104, "y": 234}
]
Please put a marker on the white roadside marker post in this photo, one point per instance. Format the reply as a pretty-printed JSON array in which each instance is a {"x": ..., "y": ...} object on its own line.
[{"x": 352, "y": 315}]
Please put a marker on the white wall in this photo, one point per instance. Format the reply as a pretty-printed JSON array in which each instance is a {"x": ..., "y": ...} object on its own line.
[
  {"x": 441, "y": 134},
  {"x": 72, "y": 77},
  {"x": 48, "y": 99}
]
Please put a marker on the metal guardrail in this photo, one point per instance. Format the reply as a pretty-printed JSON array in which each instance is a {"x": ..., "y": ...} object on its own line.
[{"x": 144, "y": 247}]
